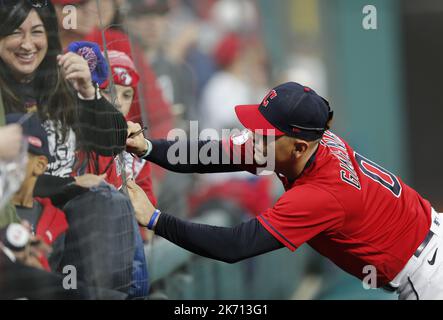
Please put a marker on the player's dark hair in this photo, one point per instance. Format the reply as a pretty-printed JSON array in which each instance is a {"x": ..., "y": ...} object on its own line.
[
  {"x": 56, "y": 99},
  {"x": 329, "y": 124}
]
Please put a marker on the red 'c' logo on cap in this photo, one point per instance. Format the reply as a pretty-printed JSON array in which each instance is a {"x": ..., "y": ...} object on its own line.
[{"x": 271, "y": 95}]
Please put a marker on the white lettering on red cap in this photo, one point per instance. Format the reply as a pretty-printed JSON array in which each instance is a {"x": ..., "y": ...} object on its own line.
[
  {"x": 48, "y": 235},
  {"x": 122, "y": 76}
]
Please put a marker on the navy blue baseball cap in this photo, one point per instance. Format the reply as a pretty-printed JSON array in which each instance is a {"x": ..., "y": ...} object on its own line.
[
  {"x": 34, "y": 133},
  {"x": 290, "y": 109}
]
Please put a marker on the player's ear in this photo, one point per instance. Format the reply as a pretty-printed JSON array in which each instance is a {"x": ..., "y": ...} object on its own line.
[
  {"x": 41, "y": 164},
  {"x": 300, "y": 147}
]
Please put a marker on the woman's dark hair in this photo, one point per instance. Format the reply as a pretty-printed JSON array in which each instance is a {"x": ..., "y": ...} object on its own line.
[{"x": 55, "y": 98}]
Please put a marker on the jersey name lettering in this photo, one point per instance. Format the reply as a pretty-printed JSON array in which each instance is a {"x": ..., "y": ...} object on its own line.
[{"x": 338, "y": 149}]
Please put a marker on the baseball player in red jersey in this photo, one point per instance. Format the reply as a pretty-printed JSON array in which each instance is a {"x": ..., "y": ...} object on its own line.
[{"x": 345, "y": 206}]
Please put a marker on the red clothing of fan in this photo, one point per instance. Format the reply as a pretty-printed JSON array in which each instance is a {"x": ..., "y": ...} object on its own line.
[
  {"x": 160, "y": 119},
  {"x": 50, "y": 226}
]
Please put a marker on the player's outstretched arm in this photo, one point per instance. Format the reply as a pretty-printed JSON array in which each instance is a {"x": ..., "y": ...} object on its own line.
[
  {"x": 181, "y": 156},
  {"x": 230, "y": 245}
]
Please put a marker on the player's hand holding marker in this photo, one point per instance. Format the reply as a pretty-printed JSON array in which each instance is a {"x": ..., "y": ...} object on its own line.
[
  {"x": 136, "y": 142},
  {"x": 146, "y": 214}
]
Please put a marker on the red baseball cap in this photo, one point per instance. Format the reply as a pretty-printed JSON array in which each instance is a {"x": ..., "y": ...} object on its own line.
[
  {"x": 290, "y": 109},
  {"x": 123, "y": 70}
]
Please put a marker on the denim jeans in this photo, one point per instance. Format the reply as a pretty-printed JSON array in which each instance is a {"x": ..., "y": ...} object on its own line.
[{"x": 140, "y": 277}]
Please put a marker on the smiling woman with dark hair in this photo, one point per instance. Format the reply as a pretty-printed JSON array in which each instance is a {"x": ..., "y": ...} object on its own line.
[
  {"x": 29, "y": 41},
  {"x": 35, "y": 76}
]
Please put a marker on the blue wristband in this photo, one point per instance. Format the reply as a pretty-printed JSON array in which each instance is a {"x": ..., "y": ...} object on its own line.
[{"x": 153, "y": 218}]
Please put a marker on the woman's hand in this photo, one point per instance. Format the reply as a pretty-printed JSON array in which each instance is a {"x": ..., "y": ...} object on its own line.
[
  {"x": 77, "y": 72},
  {"x": 10, "y": 141},
  {"x": 88, "y": 181},
  {"x": 141, "y": 203}
]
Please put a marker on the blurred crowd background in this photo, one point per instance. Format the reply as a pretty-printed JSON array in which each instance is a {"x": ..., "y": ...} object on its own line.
[{"x": 197, "y": 59}]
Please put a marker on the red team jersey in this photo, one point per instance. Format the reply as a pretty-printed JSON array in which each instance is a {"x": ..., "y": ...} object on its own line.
[{"x": 351, "y": 211}]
